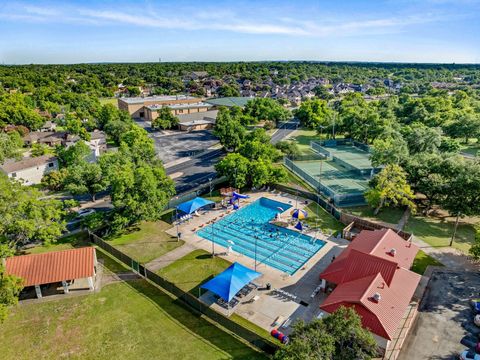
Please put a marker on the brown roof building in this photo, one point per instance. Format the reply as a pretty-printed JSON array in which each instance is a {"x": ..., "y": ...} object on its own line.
[{"x": 54, "y": 267}]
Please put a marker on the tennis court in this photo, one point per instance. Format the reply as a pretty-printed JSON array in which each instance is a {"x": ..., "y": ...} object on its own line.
[
  {"x": 338, "y": 179},
  {"x": 353, "y": 156}
]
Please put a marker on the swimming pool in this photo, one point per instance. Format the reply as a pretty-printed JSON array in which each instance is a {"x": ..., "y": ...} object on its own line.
[{"x": 283, "y": 249}]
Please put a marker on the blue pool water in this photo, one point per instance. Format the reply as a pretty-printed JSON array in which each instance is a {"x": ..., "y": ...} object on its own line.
[{"x": 281, "y": 248}]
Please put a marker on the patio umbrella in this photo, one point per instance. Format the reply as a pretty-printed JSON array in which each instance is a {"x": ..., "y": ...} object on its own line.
[{"x": 298, "y": 214}]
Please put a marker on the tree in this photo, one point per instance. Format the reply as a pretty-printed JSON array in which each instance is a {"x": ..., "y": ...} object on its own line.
[
  {"x": 75, "y": 126},
  {"x": 236, "y": 168},
  {"x": 140, "y": 192},
  {"x": 265, "y": 109},
  {"x": 18, "y": 109},
  {"x": 73, "y": 155},
  {"x": 314, "y": 113},
  {"x": 228, "y": 130},
  {"x": 322, "y": 93},
  {"x": 25, "y": 215},
  {"x": 466, "y": 126},
  {"x": 256, "y": 145},
  {"x": 39, "y": 149},
  {"x": 138, "y": 145},
  {"x": 165, "y": 119},
  {"x": 389, "y": 187},
  {"x": 462, "y": 192},
  {"x": 390, "y": 149},
  {"x": 86, "y": 178},
  {"x": 10, "y": 287},
  {"x": 228, "y": 91},
  {"x": 10, "y": 145},
  {"x": 289, "y": 148},
  {"x": 55, "y": 180},
  {"x": 421, "y": 138},
  {"x": 338, "y": 336}
]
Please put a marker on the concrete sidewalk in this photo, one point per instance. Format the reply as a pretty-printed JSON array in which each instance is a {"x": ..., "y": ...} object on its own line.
[{"x": 170, "y": 257}]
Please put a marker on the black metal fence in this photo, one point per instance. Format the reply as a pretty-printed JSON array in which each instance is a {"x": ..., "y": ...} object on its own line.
[{"x": 187, "y": 300}]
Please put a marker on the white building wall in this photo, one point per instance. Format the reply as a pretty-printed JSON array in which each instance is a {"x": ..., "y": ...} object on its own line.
[{"x": 33, "y": 175}]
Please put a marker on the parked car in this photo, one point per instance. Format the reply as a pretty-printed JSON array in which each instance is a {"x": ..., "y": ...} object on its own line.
[
  {"x": 469, "y": 355},
  {"x": 85, "y": 212}
]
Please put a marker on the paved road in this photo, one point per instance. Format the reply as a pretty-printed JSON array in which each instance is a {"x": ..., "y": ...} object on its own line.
[{"x": 285, "y": 129}]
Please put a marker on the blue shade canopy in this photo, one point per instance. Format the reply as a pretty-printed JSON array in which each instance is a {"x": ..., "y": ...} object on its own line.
[
  {"x": 228, "y": 283},
  {"x": 193, "y": 205},
  {"x": 299, "y": 214},
  {"x": 299, "y": 226}
]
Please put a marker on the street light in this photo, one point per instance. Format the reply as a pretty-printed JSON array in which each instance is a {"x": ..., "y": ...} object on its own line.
[{"x": 210, "y": 184}]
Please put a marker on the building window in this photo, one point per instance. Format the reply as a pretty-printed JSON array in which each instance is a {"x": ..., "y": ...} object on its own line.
[
  {"x": 50, "y": 165},
  {"x": 14, "y": 175},
  {"x": 180, "y": 111},
  {"x": 142, "y": 114}
]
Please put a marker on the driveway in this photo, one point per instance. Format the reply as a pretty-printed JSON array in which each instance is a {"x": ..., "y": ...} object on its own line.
[{"x": 438, "y": 329}]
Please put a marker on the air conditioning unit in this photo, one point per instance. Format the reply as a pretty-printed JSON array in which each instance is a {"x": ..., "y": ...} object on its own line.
[
  {"x": 376, "y": 297},
  {"x": 393, "y": 251}
]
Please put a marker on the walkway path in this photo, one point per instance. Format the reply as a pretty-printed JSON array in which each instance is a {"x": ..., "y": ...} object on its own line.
[
  {"x": 170, "y": 257},
  {"x": 403, "y": 221}
]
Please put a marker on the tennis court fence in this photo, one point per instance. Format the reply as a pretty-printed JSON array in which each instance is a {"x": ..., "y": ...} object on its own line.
[
  {"x": 185, "y": 299},
  {"x": 341, "y": 200}
]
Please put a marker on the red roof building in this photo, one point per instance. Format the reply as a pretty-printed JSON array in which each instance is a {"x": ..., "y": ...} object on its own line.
[
  {"x": 53, "y": 267},
  {"x": 372, "y": 275}
]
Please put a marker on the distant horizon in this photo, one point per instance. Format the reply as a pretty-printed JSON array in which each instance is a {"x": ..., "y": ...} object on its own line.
[
  {"x": 128, "y": 31},
  {"x": 352, "y": 62}
]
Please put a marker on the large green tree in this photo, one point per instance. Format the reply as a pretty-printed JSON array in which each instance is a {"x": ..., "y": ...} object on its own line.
[
  {"x": 266, "y": 109},
  {"x": 86, "y": 178},
  {"x": 165, "y": 119},
  {"x": 315, "y": 113},
  {"x": 236, "y": 168},
  {"x": 26, "y": 216},
  {"x": 228, "y": 130},
  {"x": 10, "y": 287},
  {"x": 388, "y": 188},
  {"x": 10, "y": 145},
  {"x": 337, "y": 336}
]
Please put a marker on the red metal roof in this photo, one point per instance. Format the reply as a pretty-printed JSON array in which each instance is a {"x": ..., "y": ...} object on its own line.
[
  {"x": 38, "y": 269},
  {"x": 367, "y": 267},
  {"x": 384, "y": 316}
]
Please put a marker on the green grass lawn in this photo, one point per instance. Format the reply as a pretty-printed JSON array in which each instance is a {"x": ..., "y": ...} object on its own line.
[
  {"x": 196, "y": 268},
  {"x": 422, "y": 260},
  {"x": 388, "y": 215},
  {"x": 113, "y": 101},
  {"x": 303, "y": 137},
  {"x": 438, "y": 231},
  {"x": 192, "y": 270},
  {"x": 127, "y": 320},
  {"x": 326, "y": 222},
  {"x": 147, "y": 241}
]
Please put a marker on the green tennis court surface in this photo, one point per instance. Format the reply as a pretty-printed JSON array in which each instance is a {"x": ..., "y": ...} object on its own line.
[
  {"x": 338, "y": 179},
  {"x": 351, "y": 155}
]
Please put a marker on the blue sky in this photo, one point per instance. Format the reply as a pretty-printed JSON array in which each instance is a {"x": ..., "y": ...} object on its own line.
[{"x": 138, "y": 31}]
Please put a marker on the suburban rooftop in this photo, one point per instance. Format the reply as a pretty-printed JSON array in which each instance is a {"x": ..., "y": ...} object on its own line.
[
  {"x": 140, "y": 100},
  {"x": 26, "y": 163},
  {"x": 179, "y": 106}
]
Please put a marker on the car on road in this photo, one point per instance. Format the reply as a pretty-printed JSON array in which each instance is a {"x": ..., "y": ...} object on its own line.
[{"x": 85, "y": 212}]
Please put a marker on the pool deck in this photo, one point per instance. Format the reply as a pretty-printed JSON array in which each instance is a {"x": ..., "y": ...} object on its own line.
[{"x": 270, "y": 306}]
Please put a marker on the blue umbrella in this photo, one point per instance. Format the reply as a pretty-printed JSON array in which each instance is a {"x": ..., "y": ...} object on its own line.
[{"x": 299, "y": 226}]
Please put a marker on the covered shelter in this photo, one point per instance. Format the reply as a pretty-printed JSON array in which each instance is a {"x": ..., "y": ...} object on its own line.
[
  {"x": 54, "y": 267},
  {"x": 193, "y": 205},
  {"x": 228, "y": 283}
]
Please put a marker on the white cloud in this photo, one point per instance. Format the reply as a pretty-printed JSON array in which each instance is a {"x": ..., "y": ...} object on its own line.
[{"x": 218, "y": 19}]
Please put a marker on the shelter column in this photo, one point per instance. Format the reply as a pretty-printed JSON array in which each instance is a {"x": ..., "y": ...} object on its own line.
[
  {"x": 65, "y": 287},
  {"x": 323, "y": 285},
  {"x": 90, "y": 283},
  {"x": 38, "y": 291}
]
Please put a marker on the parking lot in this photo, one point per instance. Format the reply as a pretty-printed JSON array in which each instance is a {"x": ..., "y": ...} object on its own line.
[
  {"x": 174, "y": 145},
  {"x": 438, "y": 329}
]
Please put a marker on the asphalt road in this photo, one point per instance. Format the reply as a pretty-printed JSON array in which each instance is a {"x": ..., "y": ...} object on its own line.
[{"x": 285, "y": 129}]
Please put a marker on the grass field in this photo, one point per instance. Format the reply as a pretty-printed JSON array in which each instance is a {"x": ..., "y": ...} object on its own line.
[
  {"x": 326, "y": 222},
  {"x": 388, "y": 215},
  {"x": 193, "y": 269},
  {"x": 303, "y": 137},
  {"x": 295, "y": 182},
  {"x": 438, "y": 231},
  {"x": 196, "y": 268},
  {"x": 112, "y": 101},
  {"x": 123, "y": 321},
  {"x": 146, "y": 241},
  {"x": 472, "y": 148},
  {"x": 422, "y": 260}
]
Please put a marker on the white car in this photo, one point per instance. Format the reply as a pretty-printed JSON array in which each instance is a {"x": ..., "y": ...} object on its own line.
[
  {"x": 85, "y": 212},
  {"x": 469, "y": 355}
]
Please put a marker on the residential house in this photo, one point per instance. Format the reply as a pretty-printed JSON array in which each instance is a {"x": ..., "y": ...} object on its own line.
[
  {"x": 30, "y": 170},
  {"x": 49, "y": 126}
]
